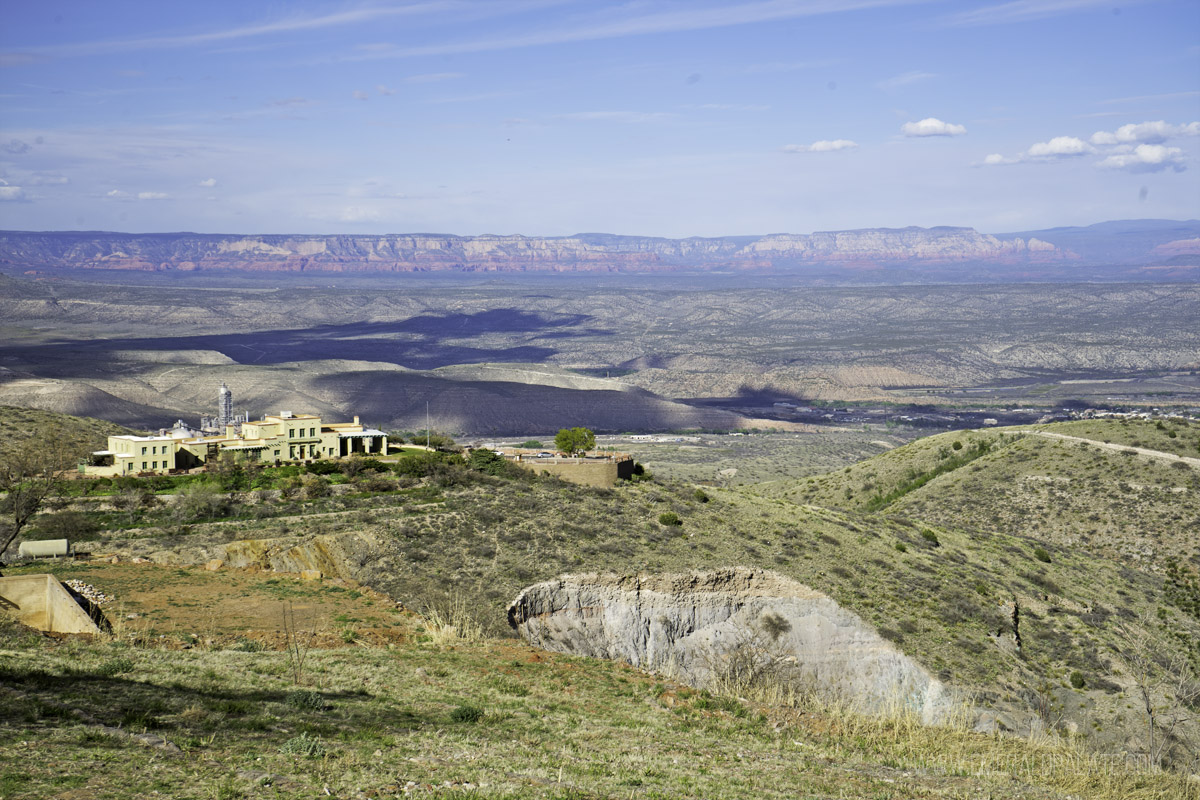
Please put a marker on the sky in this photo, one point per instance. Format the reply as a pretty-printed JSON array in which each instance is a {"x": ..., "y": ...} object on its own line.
[{"x": 551, "y": 117}]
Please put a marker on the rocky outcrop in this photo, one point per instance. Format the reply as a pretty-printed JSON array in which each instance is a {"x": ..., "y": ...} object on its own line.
[
  {"x": 515, "y": 253},
  {"x": 689, "y": 625}
]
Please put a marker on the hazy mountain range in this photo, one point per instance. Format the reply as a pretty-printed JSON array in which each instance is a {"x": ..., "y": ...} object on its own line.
[{"x": 1134, "y": 248}]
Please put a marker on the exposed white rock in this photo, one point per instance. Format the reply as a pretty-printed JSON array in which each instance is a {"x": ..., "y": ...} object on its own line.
[{"x": 684, "y": 624}]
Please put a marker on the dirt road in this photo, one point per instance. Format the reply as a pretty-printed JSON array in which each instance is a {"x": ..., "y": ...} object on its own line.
[{"x": 1142, "y": 451}]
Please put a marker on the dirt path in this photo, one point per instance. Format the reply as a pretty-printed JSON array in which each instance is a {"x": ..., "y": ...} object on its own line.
[{"x": 1195, "y": 462}]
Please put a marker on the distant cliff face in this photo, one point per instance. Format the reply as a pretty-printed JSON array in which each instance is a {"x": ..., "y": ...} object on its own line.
[{"x": 580, "y": 253}]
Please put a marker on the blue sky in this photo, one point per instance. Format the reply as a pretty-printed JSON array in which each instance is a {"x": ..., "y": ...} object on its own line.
[{"x": 551, "y": 117}]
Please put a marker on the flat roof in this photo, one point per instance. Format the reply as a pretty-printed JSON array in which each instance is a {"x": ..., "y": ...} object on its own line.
[{"x": 131, "y": 438}]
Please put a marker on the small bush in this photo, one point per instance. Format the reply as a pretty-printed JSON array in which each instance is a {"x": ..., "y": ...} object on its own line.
[
  {"x": 305, "y": 698},
  {"x": 323, "y": 467},
  {"x": 115, "y": 666},
  {"x": 468, "y": 714},
  {"x": 669, "y": 518},
  {"x": 901, "y": 547},
  {"x": 957, "y": 445},
  {"x": 701, "y": 496},
  {"x": 1077, "y": 680},
  {"x": 1041, "y": 554},
  {"x": 930, "y": 537},
  {"x": 247, "y": 646},
  {"x": 304, "y": 745}
]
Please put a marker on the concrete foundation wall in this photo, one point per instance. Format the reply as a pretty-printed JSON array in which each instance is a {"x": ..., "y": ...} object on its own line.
[{"x": 41, "y": 602}]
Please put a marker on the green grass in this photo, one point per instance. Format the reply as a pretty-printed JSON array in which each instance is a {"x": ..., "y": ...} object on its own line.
[{"x": 491, "y": 719}]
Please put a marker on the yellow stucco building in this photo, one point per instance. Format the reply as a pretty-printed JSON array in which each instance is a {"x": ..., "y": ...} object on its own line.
[{"x": 272, "y": 439}]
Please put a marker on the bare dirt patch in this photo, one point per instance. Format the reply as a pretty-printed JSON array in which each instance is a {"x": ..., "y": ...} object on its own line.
[{"x": 182, "y": 607}]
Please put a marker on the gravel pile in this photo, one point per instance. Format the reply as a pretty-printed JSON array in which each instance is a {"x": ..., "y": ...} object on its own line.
[{"x": 87, "y": 590}]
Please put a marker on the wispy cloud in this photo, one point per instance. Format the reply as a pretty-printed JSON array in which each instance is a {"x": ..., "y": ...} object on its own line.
[
  {"x": 790, "y": 66},
  {"x": 11, "y": 194},
  {"x": 932, "y": 126},
  {"x": 690, "y": 19},
  {"x": 434, "y": 77},
  {"x": 208, "y": 183},
  {"x": 359, "y": 94},
  {"x": 618, "y": 116},
  {"x": 725, "y": 107},
  {"x": 292, "y": 24},
  {"x": 1145, "y": 97},
  {"x": 1022, "y": 11},
  {"x": 906, "y": 79},
  {"x": 821, "y": 146}
]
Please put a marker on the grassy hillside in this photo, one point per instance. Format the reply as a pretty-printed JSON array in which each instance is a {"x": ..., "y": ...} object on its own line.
[
  {"x": 1112, "y": 502},
  {"x": 911, "y": 549},
  {"x": 78, "y": 434},
  {"x": 944, "y": 593},
  {"x": 197, "y": 716}
]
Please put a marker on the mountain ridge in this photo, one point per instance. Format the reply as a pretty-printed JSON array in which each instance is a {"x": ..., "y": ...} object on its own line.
[{"x": 951, "y": 251}]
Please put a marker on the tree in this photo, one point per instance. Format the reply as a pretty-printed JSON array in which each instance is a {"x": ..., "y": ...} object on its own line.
[
  {"x": 30, "y": 475},
  {"x": 573, "y": 440}
]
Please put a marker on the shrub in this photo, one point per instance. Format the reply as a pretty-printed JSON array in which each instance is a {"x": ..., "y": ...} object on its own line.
[
  {"x": 305, "y": 698},
  {"x": 669, "y": 518},
  {"x": 957, "y": 445},
  {"x": 901, "y": 547},
  {"x": 1041, "y": 554},
  {"x": 115, "y": 666},
  {"x": 701, "y": 495},
  {"x": 304, "y": 745},
  {"x": 323, "y": 467},
  {"x": 532, "y": 444},
  {"x": 466, "y": 713},
  {"x": 930, "y": 537},
  {"x": 1077, "y": 680},
  {"x": 201, "y": 500}
]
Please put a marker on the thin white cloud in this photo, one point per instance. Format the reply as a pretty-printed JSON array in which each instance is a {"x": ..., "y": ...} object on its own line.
[
  {"x": 1144, "y": 97},
  {"x": 360, "y": 95},
  {"x": 117, "y": 194},
  {"x": 208, "y": 183},
  {"x": 906, "y": 79},
  {"x": 289, "y": 102},
  {"x": 45, "y": 179},
  {"x": 1060, "y": 147},
  {"x": 434, "y": 77},
  {"x": 1145, "y": 132},
  {"x": 789, "y": 66},
  {"x": 931, "y": 126},
  {"x": 690, "y": 18},
  {"x": 153, "y": 196},
  {"x": 11, "y": 194},
  {"x": 290, "y": 25},
  {"x": 996, "y": 160},
  {"x": 1022, "y": 11},
  {"x": 1147, "y": 158},
  {"x": 618, "y": 116},
  {"x": 821, "y": 146},
  {"x": 725, "y": 107},
  {"x": 383, "y": 90}
]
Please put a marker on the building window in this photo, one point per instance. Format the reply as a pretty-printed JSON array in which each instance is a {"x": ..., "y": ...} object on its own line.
[
  {"x": 312, "y": 431},
  {"x": 277, "y": 454},
  {"x": 143, "y": 463},
  {"x": 143, "y": 451},
  {"x": 291, "y": 433}
]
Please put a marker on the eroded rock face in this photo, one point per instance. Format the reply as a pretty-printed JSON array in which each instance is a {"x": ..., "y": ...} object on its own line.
[{"x": 685, "y": 624}]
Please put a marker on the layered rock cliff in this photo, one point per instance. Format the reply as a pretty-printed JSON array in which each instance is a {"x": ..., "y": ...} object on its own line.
[
  {"x": 692, "y": 626},
  {"x": 580, "y": 253}
]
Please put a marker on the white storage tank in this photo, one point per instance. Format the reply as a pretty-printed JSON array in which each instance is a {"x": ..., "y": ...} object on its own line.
[{"x": 47, "y": 548}]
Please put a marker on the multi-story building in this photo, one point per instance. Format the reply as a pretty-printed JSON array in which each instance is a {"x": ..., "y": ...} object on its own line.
[{"x": 273, "y": 439}]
